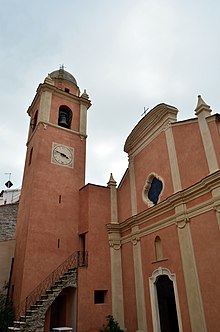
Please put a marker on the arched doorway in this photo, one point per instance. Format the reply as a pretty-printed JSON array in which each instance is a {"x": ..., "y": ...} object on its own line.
[
  {"x": 62, "y": 311},
  {"x": 166, "y": 315},
  {"x": 166, "y": 305}
]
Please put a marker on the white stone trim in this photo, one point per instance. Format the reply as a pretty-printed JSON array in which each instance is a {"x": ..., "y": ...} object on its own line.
[
  {"x": 153, "y": 297},
  {"x": 45, "y": 107},
  {"x": 208, "y": 144},
  {"x": 147, "y": 186},
  {"x": 83, "y": 119},
  {"x": 117, "y": 285},
  {"x": 194, "y": 297},
  {"x": 139, "y": 282},
  {"x": 173, "y": 159},
  {"x": 132, "y": 187}
]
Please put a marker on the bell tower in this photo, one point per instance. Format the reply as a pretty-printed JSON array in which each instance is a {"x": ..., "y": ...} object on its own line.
[{"x": 47, "y": 225}]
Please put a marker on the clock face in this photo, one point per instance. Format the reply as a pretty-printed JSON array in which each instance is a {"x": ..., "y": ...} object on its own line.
[{"x": 62, "y": 155}]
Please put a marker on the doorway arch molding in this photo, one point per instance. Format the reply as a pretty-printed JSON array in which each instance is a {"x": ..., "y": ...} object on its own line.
[{"x": 154, "y": 301}]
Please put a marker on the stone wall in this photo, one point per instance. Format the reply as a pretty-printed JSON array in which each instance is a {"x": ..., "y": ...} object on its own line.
[{"x": 8, "y": 219}]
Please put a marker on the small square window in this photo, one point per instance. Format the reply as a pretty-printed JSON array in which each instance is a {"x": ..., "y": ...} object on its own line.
[
  {"x": 67, "y": 90},
  {"x": 99, "y": 296}
]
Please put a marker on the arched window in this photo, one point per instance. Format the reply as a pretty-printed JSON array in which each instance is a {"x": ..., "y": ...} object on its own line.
[
  {"x": 30, "y": 156},
  {"x": 152, "y": 189},
  {"x": 34, "y": 121},
  {"x": 158, "y": 248},
  {"x": 65, "y": 117}
]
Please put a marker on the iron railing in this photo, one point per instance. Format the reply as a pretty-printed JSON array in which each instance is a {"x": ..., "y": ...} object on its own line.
[{"x": 77, "y": 259}]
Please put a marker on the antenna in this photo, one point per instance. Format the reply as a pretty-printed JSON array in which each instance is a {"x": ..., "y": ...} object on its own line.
[{"x": 8, "y": 184}]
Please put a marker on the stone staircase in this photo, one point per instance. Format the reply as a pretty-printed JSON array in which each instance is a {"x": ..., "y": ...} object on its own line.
[{"x": 31, "y": 313}]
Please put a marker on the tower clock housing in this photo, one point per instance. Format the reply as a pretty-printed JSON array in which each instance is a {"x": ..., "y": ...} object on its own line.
[{"x": 47, "y": 226}]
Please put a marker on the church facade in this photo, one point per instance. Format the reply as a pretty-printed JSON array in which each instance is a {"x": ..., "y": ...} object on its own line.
[{"x": 146, "y": 251}]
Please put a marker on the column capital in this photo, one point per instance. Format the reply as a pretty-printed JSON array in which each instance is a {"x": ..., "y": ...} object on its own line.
[
  {"x": 135, "y": 239},
  {"x": 115, "y": 244}
]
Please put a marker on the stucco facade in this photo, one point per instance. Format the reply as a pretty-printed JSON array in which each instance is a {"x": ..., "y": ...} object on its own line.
[{"x": 152, "y": 240}]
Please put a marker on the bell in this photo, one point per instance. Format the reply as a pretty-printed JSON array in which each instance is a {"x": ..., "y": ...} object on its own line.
[{"x": 63, "y": 121}]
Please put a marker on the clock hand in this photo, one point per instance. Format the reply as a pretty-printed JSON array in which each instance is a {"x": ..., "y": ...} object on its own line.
[{"x": 62, "y": 154}]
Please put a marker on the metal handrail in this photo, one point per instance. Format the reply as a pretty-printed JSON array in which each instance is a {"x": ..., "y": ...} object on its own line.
[{"x": 75, "y": 260}]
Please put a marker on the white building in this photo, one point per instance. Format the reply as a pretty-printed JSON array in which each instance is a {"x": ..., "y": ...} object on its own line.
[{"x": 9, "y": 196}]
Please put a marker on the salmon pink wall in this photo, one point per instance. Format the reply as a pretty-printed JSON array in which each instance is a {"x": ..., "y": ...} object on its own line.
[
  {"x": 214, "y": 127},
  {"x": 207, "y": 256},
  {"x": 172, "y": 261},
  {"x": 199, "y": 200},
  {"x": 84, "y": 209},
  {"x": 150, "y": 221},
  {"x": 129, "y": 287},
  {"x": 98, "y": 274},
  {"x": 45, "y": 182},
  {"x": 190, "y": 153},
  {"x": 61, "y": 85},
  {"x": 153, "y": 158}
]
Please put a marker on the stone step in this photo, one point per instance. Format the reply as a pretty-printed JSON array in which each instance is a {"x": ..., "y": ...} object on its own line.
[
  {"x": 30, "y": 312},
  {"x": 55, "y": 289},
  {"x": 36, "y": 306},
  {"x": 44, "y": 297},
  {"x": 50, "y": 293},
  {"x": 63, "y": 278},
  {"x": 40, "y": 302},
  {"x": 58, "y": 282},
  {"x": 18, "y": 323},
  {"x": 24, "y": 318}
]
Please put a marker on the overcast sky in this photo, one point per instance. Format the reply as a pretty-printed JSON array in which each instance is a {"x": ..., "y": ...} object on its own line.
[{"x": 128, "y": 54}]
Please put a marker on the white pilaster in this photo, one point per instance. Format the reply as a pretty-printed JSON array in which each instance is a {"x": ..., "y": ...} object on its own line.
[
  {"x": 113, "y": 197},
  {"x": 195, "y": 304},
  {"x": 203, "y": 111},
  {"x": 139, "y": 283},
  {"x": 132, "y": 186},
  {"x": 45, "y": 107},
  {"x": 115, "y": 254},
  {"x": 116, "y": 279},
  {"x": 83, "y": 114},
  {"x": 173, "y": 160}
]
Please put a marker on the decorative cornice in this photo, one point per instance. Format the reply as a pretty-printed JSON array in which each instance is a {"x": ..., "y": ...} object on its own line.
[
  {"x": 56, "y": 91},
  {"x": 217, "y": 208},
  {"x": 113, "y": 228},
  {"x": 48, "y": 124},
  {"x": 203, "y": 187},
  {"x": 152, "y": 124}
]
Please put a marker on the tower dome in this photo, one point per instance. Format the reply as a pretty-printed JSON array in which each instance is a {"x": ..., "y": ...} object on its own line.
[{"x": 64, "y": 75}]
